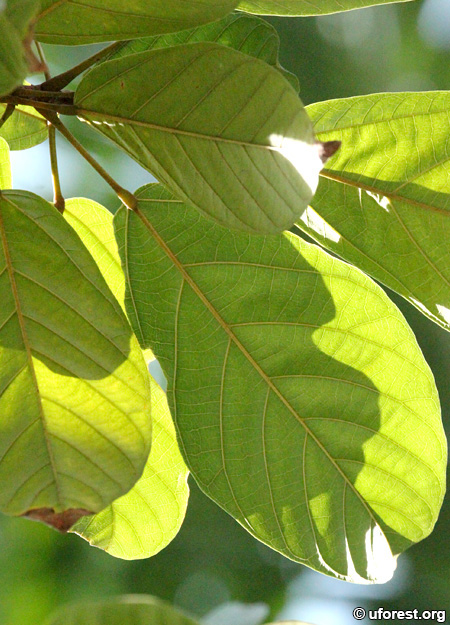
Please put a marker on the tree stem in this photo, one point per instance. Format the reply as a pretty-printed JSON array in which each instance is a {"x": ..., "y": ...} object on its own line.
[
  {"x": 62, "y": 80},
  {"x": 125, "y": 196}
]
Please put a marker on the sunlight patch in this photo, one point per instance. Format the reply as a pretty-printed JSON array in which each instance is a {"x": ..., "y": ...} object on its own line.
[
  {"x": 314, "y": 221},
  {"x": 381, "y": 200},
  {"x": 303, "y": 156},
  {"x": 444, "y": 312}
]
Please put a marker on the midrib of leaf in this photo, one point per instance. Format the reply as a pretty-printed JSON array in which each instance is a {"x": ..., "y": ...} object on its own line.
[
  {"x": 176, "y": 131},
  {"x": 227, "y": 329},
  {"x": 23, "y": 332},
  {"x": 392, "y": 195}
]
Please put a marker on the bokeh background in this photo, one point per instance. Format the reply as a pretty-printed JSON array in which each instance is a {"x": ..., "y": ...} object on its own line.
[{"x": 213, "y": 569}]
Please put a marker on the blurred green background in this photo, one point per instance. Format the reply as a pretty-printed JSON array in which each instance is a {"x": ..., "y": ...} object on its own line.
[{"x": 214, "y": 566}]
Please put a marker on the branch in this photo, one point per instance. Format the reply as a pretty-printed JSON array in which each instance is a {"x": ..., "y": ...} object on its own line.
[
  {"x": 62, "y": 80},
  {"x": 125, "y": 196}
]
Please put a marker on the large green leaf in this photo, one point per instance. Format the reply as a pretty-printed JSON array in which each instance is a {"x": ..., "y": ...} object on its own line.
[
  {"x": 5, "y": 166},
  {"x": 246, "y": 33},
  {"x": 145, "y": 520},
  {"x": 125, "y": 610},
  {"x": 24, "y": 129},
  {"x": 225, "y": 131},
  {"x": 15, "y": 16},
  {"x": 88, "y": 21},
  {"x": 303, "y": 404},
  {"x": 307, "y": 7},
  {"x": 384, "y": 201},
  {"x": 74, "y": 391}
]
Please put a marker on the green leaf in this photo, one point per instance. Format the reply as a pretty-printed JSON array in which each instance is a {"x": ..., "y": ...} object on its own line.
[
  {"x": 303, "y": 404},
  {"x": 307, "y": 7},
  {"x": 74, "y": 391},
  {"x": 74, "y": 22},
  {"x": 24, "y": 129},
  {"x": 125, "y": 610},
  {"x": 94, "y": 225},
  {"x": 20, "y": 13},
  {"x": 147, "y": 519},
  {"x": 384, "y": 201},
  {"x": 15, "y": 16},
  {"x": 5, "y": 166},
  {"x": 245, "y": 33},
  {"x": 223, "y": 130}
]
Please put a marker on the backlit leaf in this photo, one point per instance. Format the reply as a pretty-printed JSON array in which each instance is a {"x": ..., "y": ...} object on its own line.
[
  {"x": 73, "y": 22},
  {"x": 74, "y": 391},
  {"x": 5, "y": 166},
  {"x": 24, "y": 129},
  {"x": 303, "y": 404},
  {"x": 384, "y": 201},
  {"x": 94, "y": 225},
  {"x": 145, "y": 520},
  {"x": 307, "y": 7},
  {"x": 223, "y": 130}
]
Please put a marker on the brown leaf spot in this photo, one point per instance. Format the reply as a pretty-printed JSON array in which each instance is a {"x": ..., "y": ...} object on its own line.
[
  {"x": 61, "y": 521},
  {"x": 327, "y": 149}
]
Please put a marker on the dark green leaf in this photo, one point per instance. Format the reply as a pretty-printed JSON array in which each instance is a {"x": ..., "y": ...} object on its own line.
[
  {"x": 384, "y": 201},
  {"x": 245, "y": 33},
  {"x": 303, "y": 404},
  {"x": 74, "y": 22},
  {"x": 74, "y": 394},
  {"x": 223, "y": 130}
]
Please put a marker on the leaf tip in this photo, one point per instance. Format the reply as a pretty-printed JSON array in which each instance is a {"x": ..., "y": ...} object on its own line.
[
  {"x": 60, "y": 521},
  {"x": 327, "y": 149}
]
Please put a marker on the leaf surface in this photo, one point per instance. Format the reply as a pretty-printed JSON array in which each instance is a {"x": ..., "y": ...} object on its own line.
[
  {"x": 74, "y": 22},
  {"x": 74, "y": 389},
  {"x": 146, "y": 519},
  {"x": 94, "y": 225},
  {"x": 125, "y": 610},
  {"x": 383, "y": 202},
  {"x": 237, "y": 145},
  {"x": 5, "y": 166},
  {"x": 15, "y": 16},
  {"x": 248, "y": 34},
  {"x": 307, "y": 7},
  {"x": 24, "y": 129},
  {"x": 303, "y": 404}
]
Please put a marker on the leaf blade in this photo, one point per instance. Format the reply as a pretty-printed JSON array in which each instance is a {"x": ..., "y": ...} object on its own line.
[
  {"x": 74, "y": 23},
  {"x": 384, "y": 203},
  {"x": 64, "y": 373},
  {"x": 232, "y": 158},
  {"x": 145, "y": 520},
  {"x": 5, "y": 166},
  {"x": 307, "y": 7},
  {"x": 140, "y": 609},
  {"x": 292, "y": 458},
  {"x": 248, "y": 34},
  {"x": 24, "y": 129}
]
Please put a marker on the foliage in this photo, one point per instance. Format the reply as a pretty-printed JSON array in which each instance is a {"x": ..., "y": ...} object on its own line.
[
  {"x": 297, "y": 395},
  {"x": 133, "y": 609}
]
